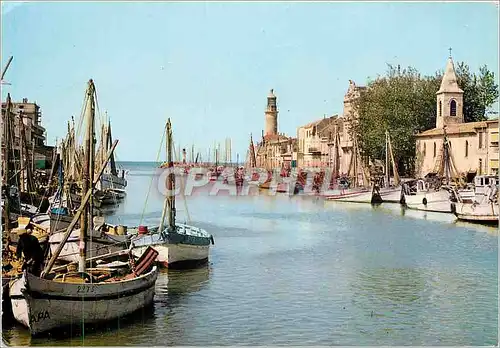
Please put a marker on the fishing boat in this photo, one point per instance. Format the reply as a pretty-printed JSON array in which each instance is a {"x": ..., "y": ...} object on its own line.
[
  {"x": 112, "y": 183},
  {"x": 99, "y": 242},
  {"x": 91, "y": 294},
  {"x": 438, "y": 196},
  {"x": 178, "y": 245},
  {"x": 353, "y": 187},
  {"x": 484, "y": 208},
  {"x": 391, "y": 192},
  {"x": 478, "y": 190},
  {"x": 486, "y": 213}
]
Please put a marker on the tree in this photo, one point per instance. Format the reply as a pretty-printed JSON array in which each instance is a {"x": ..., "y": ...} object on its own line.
[{"x": 404, "y": 103}]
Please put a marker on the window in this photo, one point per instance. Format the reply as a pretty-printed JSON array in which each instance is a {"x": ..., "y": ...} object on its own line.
[
  {"x": 480, "y": 166},
  {"x": 453, "y": 108},
  {"x": 434, "y": 149},
  {"x": 424, "y": 149},
  {"x": 480, "y": 139},
  {"x": 440, "y": 111},
  {"x": 466, "y": 148}
]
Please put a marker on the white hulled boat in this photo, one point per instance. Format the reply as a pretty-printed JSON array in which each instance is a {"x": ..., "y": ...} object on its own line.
[
  {"x": 483, "y": 210},
  {"x": 178, "y": 245},
  {"x": 439, "y": 197}
]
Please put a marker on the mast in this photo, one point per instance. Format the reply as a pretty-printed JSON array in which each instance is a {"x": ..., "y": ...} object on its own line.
[
  {"x": 336, "y": 162},
  {"x": 253, "y": 160},
  {"x": 170, "y": 180},
  {"x": 88, "y": 174},
  {"x": 169, "y": 204},
  {"x": 109, "y": 142},
  {"x": 394, "y": 167},
  {"x": 6, "y": 164},
  {"x": 387, "y": 171}
]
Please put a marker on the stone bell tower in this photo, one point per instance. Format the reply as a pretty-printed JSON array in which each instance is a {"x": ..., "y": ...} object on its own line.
[
  {"x": 271, "y": 115},
  {"x": 450, "y": 98}
]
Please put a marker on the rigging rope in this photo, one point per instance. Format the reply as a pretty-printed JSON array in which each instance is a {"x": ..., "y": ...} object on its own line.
[
  {"x": 152, "y": 177},
  {"x": 182, "y": 188}
]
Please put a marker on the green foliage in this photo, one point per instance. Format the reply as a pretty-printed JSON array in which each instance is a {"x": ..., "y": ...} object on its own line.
[{"x": 404, "y": 103}]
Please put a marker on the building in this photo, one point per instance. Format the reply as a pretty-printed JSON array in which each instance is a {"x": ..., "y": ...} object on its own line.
[
  {"x": 275, "y": 150},
  {"x": 30, "y": 115},
  {"x": 316, "y": 140},
  {"x": 473, "y": 145},
  {"x": 313, "y": 141}
]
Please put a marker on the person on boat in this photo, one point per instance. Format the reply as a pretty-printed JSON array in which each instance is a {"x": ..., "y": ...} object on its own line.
[{"x": 29, "y": 246}]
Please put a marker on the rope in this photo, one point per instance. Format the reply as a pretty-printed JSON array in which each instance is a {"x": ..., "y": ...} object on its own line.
[
  {"x": 182, "y": 189},
  {"x": 152, "y": 177}
]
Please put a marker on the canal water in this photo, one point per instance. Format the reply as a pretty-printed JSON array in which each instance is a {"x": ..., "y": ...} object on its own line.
[{"x": 302, "y": 271}]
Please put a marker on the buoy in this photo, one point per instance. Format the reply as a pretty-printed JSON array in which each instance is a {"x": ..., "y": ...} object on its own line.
[{"x": 143, "y": 229}]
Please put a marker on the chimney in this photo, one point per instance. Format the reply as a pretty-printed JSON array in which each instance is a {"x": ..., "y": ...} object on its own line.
[{"x": 25, "y": 100}]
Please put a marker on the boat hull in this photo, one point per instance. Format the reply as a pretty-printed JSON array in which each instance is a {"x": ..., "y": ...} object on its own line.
[
  {"x": 44, "y": 305},
  {"x": 352, "y": 197},
  {"x": 178, "y": 255},
  {"x": 480, "y": 213},
  {"x": 437, "y": 201},
  {"x": 110, "y": 181},
  {"x": 186, "y": 248},
  {"x": 391, "y": 195}
]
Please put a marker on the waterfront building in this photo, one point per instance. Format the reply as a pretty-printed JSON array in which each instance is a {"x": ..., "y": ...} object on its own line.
[
  {"x": 316, "y": 140},
  {"x": 275, "y": 150},
  {"x": 25, "y": 117},
  {"x": 474, "y": 145}
]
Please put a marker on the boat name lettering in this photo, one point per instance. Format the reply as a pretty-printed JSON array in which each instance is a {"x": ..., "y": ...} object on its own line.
[
  {"x": 42, "y": 315},
  {"x": 83, "y": 289}
]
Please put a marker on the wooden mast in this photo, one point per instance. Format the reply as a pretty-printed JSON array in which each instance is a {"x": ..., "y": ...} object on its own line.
[
  {"x": 336, "y": 163},
  {"x": 169, "y": 204},
  {"x": 253, "y": 160},
  {"x": 88, "y": 174},
  {"x": 387, "y": 170},
  {"x": 6, "y": 165},
  {"x": 170, "y": 180},
  {"x": 394, "y": 166}
]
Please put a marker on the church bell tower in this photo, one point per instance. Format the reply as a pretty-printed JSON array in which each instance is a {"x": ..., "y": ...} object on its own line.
[{"x": 450, "y": 99}]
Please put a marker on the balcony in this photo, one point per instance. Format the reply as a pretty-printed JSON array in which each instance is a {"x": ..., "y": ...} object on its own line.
[{"x": 313, "y": 150}]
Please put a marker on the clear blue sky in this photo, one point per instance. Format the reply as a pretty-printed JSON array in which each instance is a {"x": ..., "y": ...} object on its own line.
[{"x": 209, "y": 66}]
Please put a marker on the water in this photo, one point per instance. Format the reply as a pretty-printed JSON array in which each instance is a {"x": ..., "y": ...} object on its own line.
[{"x": 301, "y": 271}]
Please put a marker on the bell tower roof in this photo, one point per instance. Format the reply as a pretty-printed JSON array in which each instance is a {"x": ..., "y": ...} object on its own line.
[{"x": 449, "y": 82}]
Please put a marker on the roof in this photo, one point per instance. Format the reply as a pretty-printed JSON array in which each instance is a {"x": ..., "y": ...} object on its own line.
[
  {"x": 311, "y": 124},
  {"x": 321, "y": 123},
  {"x": 466, "y": 128},
  {"x": 449, "y": 82},
  {"x": 271, "y": 94},
  {"x": 274, "y": 137}
]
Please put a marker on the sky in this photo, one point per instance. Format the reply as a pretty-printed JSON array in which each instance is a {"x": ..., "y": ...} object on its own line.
[{"x": 210, "y": 66}]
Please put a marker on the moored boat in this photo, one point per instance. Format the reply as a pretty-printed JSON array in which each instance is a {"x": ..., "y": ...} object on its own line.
[
  {"x": 178, "y": 245},
  {"x": 486, "y": 213}
]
